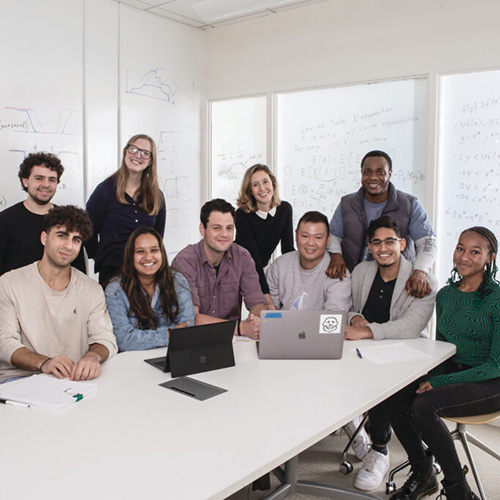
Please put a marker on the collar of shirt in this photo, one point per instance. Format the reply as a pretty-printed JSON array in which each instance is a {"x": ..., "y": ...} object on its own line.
[
  {"x": 204, "y": 259},
  {"x": 132, "y": 201},
  {"x": 263, "y": 215}
]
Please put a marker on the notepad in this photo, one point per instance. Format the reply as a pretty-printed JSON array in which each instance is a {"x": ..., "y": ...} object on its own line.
[
  {"x": 46, "y": 391},
  {"x": 391, "y": 353}
]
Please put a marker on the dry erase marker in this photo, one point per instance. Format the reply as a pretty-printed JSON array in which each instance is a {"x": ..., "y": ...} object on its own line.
[
  {"x": 358, "y": 352},
  {"x": 13, "y": 403}
]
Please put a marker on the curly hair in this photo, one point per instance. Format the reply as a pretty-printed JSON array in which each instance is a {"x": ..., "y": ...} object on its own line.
[
  {"x": 47, "y": 160},
  {"x": 490, "y": 271},
  {"x": 71, "y": 217},
  {"x": 140, "y": 305},
  {"x": 246, "y": 200}
]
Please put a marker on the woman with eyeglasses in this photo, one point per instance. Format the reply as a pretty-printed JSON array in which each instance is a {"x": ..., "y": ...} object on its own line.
[
  {"x": 468, "y": 315},
  {"x": 128, "y": 199},
  {"x": 148, "y": 298}
]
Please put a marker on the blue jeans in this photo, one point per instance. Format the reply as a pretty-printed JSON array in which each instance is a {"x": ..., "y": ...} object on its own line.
[{"x": 418, "y": 417}]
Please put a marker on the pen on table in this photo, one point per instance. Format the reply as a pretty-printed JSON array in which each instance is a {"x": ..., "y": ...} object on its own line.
[
  {"x": 13, "y": 403},
  {"x": 358, "y": 352}
]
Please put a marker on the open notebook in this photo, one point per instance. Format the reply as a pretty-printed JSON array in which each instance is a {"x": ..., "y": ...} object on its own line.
[{"x": 46, "y": 391}]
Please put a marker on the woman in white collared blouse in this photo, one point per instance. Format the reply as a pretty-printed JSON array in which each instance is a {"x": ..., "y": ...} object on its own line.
[{"x": 262, "y": 220}]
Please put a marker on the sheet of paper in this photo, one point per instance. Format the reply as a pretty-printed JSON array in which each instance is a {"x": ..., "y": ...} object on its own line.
[
  {"x": 390, "y": 353},
  {"x": 46, "y": 391}
]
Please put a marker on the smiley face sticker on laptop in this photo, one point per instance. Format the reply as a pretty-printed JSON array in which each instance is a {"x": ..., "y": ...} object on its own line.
[{"x": 330, "y": 323}]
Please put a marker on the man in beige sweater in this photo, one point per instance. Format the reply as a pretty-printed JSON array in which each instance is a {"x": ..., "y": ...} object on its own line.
[{"x": 54, "y": 318}]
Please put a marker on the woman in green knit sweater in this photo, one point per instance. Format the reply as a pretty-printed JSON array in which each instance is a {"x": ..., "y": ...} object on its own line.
[{"x": 468, "y": 315}]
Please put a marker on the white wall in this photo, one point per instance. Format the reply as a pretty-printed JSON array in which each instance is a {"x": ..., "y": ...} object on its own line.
[
  {"x": 350, "y": 41},
  {"x": 101, "y": 96}
]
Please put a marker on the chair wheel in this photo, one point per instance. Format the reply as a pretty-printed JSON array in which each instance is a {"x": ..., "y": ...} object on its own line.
[
  {"x": 390, "y": 488},
  {"x": 346, "y": 468},
  {"x": 437, "y": 468}
]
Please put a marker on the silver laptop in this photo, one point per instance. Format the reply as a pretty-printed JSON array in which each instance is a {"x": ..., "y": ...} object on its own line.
[{"x": 301, "y": 334}]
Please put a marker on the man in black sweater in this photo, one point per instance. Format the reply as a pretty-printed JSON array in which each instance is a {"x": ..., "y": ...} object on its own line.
[{"x": 21, "y": 224}]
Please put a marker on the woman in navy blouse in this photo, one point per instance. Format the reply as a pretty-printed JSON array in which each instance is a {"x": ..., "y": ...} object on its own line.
[
  {"x": 128, "y": 199},
  {"x": 149, "y": 298},
  {"x": 262, "y": 220}
]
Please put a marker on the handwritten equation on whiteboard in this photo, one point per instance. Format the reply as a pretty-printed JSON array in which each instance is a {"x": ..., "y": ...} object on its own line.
[
  {"x": 469, "y": 159},
  {"x": 230, "y": 163},
  {"x": 322, "y": 139}
]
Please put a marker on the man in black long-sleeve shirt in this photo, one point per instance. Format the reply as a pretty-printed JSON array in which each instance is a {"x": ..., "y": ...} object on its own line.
[{"x": 21, "y": 224}]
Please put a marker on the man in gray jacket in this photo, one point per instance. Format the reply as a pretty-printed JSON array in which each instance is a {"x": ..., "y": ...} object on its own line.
[{"x": 382, "y": 309}]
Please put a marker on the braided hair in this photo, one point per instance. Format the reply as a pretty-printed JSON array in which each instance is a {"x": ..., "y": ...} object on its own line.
[{"x": 490, "y": 271}]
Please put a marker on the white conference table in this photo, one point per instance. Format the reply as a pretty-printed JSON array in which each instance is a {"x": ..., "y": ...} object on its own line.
[{"x": 135, "y": 440}]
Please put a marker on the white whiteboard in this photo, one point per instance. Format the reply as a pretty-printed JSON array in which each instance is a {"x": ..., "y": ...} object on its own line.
[
  {"x": 238, "y": 141},
  {"x": 41, "y": 93},
  {"x": 469, "y": 160},
  {"x": 160, "y": 95},
  {"x": 322, "y": 135}
]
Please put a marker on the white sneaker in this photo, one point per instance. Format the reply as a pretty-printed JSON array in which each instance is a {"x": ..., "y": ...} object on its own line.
[
  {"x": 361, "y": 444},
  {"x": 374, "y": 469}
]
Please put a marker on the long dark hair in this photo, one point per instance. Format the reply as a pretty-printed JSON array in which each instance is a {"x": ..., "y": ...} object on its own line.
[
  {"x": 490, "y": 271},
  {"x": 139, "y": 302}
]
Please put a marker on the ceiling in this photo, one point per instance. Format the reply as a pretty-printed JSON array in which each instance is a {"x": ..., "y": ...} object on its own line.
[{"x": 205, "y": 14}]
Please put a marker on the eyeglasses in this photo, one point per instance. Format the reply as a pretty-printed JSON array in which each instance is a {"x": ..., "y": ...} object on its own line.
[
  {"x": 143, "y": 153},
  {"x": 389, "y": 242}
]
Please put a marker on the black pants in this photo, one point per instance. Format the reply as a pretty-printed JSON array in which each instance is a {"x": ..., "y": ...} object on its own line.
[
  {"x": 380, "y": 424},
  {"x": 418, "y": 417}
]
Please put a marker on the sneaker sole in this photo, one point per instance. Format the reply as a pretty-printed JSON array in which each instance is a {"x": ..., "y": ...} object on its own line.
[
  {"x": 371, "y": 488},
  {"x": 368, "y": 488}
]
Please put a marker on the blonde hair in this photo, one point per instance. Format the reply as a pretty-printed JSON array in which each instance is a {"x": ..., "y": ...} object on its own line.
[
  {"x": 152, "y": 199},
  {"x": 246, "y": 201}
]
